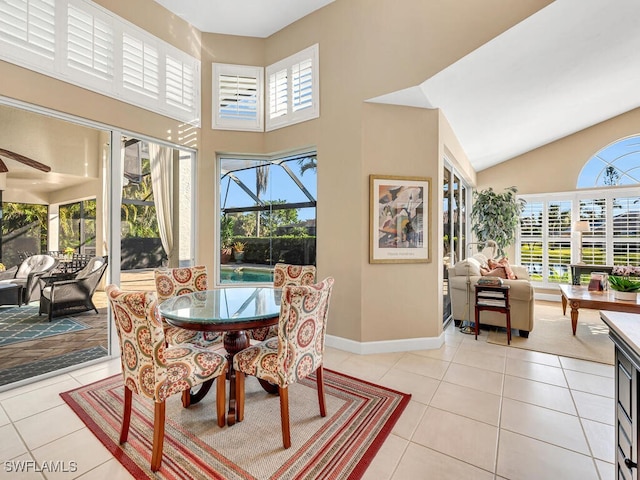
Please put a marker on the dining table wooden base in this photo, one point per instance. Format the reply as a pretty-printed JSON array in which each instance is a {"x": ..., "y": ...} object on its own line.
[
  {"x": 231, "y": 311},
  {"x": 234, "y": 341}
]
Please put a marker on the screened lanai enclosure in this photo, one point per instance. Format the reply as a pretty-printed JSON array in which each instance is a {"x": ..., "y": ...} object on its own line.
[{"x": 267, "y": 215}]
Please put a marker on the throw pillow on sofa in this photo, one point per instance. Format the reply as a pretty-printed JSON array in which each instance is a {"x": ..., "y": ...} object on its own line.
[{"x": 503, "y": 262}]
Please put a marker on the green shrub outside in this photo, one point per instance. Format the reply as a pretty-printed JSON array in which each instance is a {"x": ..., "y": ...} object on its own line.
[{"x": 286, "y": 249}]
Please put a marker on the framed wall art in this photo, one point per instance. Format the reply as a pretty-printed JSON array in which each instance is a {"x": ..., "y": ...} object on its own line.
[{"x": 400, "y": 219}]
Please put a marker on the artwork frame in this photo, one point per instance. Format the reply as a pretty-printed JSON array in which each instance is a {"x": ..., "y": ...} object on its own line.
[{"x": 400, "y": 219}]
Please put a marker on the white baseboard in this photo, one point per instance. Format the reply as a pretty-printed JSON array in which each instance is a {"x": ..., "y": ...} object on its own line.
[
  {"x": 385, "y": 346},
  {"x": 550, "y": 297}
]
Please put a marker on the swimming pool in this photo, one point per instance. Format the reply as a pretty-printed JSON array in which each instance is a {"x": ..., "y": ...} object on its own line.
[{"x": 241, "y": 274}]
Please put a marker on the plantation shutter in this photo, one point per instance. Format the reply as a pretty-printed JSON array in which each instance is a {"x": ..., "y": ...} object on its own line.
[
  {"x": 293, "y": 90},
  {"x": 140, "y": 66},
  {"x": 302, "y": 85},
  {"x": 28, "y": 27},
  {"x": 237, "y": 97},
  {"x": 89, "y": 43},
  {"x": 278, "y": 93},
  {"x": 179, "y": 84}
]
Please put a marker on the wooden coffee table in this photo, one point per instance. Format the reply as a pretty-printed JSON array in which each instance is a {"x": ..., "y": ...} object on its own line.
[{"x": 578, "y": 296}]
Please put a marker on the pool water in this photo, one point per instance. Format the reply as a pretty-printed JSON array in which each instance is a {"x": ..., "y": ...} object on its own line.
[{"x": 237, "y": 275}]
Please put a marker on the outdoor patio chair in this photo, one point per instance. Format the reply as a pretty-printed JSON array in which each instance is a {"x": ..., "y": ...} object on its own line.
[
  {"x": 154, "y": 370},
  {"x": 285, "y": 274},
  {"x": 178, "y": 281},
  {"x": 294, "y": 354},
  {"x": 63, "y": 295},
  {"x": 28, "y": 275}
]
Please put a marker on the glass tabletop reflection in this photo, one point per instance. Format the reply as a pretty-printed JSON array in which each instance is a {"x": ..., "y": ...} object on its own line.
[{"x": 223, "y": 306}]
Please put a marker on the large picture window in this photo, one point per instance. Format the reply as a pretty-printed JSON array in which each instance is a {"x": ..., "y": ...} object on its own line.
[
  {"x": 547, "y": 244},
  {"x": 267, "y": 215}
]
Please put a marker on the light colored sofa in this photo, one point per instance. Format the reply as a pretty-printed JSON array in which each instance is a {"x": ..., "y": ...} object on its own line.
[{"x": 520, "y": 296}]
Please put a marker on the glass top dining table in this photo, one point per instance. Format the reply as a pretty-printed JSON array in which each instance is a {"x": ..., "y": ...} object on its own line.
[
  {"x": 223, "y": 309},
  {"x": 232, "y": 310}
]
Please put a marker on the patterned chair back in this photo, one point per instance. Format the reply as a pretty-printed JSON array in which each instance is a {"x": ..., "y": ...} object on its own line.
[
  {"x": 284, "y": 274},
  {"x": 301, "y": 332},
  {"x": 142, "y": 343},
  {"x": 171, "y": 282}
]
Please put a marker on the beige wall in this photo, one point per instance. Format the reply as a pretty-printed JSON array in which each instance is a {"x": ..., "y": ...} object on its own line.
[
  {"x": 367, "y": 48},
  {"x": 555, "y": 167}
]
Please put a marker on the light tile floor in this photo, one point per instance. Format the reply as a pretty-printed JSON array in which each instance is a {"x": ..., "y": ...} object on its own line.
[{"x": 478, "y": 411}]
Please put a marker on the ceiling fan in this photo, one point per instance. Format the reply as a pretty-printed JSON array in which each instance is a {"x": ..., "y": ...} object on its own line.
[{"x": 22, "y": 159}]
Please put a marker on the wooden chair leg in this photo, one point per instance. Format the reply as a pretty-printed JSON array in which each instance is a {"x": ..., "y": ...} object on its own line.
[
  {"x": 158, "y": 436},
  {"x": 284, "y": 416},
  {"x": 320, "y": 387},
  {"x": 239, "y": 395},
  {"x": 221, "y": 397},
  {"x": 186, "y": 398},
  {"x": 126, "y": 415}
]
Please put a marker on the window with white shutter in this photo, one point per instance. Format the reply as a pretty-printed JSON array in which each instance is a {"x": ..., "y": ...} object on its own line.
[
  {"x": 237, "y": 97},
  {"x": 90, "y": 45},
  {"x": 547, "y": 242},
  {"x": 140, "y": 66},
  {"x": 179, "y": 83},
  {"x": 293, "y": 89},
  {"x": 27, "y": 30},
  {"x": 80, "y": 42}
]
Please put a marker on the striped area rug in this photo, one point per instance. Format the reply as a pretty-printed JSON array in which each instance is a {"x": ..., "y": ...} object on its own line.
[{"x": 341, "y": 445}]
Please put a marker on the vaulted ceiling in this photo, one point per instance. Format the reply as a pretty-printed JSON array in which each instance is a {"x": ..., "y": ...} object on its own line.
[{"x": 571, "y": 65}]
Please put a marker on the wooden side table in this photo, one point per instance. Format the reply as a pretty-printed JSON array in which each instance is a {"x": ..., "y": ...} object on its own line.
[{"x": 495, "y": 299}]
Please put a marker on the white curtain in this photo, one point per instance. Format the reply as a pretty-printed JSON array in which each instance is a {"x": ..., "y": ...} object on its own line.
[{"x": 162, "y": 185}]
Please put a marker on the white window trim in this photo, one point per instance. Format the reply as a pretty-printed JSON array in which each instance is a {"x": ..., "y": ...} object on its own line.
[
  {"x": 608, "y": 194},
  {"x": 25, "y": 57},
  {"x": 218, "y": 123},
  {"x": 291, "y": 117}
]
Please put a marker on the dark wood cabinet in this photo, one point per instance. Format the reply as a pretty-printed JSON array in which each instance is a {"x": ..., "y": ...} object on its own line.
[{"x": 627, "y": 365}]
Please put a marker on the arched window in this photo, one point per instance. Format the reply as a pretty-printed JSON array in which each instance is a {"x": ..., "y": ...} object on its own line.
[{"x": 616, "y": 164}]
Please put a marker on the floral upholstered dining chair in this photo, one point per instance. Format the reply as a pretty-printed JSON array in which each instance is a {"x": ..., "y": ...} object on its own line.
[
  {"x": 296, "y": 353},
  {"x": 171, "y": 282},
  {"x": 154, "y": 370},
  {"x": 285, "y": 274}
]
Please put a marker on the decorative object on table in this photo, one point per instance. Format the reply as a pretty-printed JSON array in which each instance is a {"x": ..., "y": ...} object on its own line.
[
  {"x": 238, "y": 251},
  {"x": 295, "y": 354},
  {"x": 489, "y": 281},
  {"x": 342, "y": 445},
  {"x": 599, "y": 282},
  {"x": 400, "y": 211},
  {"x": 496, "y": 216},
  {"x": 622, "y": 282},
  {"x": 154, "y": 370},
  {"x": 581, "y": 227}
]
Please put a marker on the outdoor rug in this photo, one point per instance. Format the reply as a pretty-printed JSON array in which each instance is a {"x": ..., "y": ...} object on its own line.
[
  {"x": 360, "y": 415},
  {"x": 552, "y": 334},
  {"x": 20, "y": 324}
]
